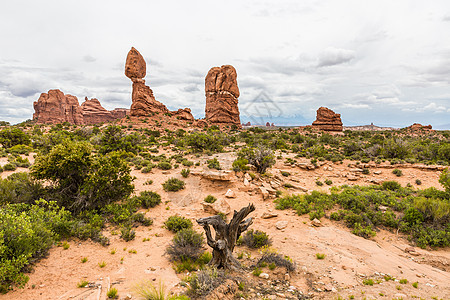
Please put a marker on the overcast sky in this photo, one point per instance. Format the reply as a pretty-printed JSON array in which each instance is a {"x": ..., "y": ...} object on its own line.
[{"x": 386, "y": 62}]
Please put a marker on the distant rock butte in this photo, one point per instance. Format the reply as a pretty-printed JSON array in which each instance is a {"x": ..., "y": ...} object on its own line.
[
  {"x": 222, "y": 93},
  {"x": 55, "y": 107},
  {"x": 144, "y": 103},
  {"x": 327, "y": 120},
  {"x": 418, "y": 127}
]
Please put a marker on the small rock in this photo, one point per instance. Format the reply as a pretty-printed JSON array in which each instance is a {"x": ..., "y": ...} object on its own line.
[
  {"x": 246, "y": 183},
  {"x": 352, "y": 178},
  {"x": 268, "y": 215},
  {"x": 287, "y": 277},
  {"x": 128, "y": 296},
  {"x": 264, "y": 275},
  {"x": 304, "y": 269},
  {"x": 264, "y": 193},
  {"x": 230, "y": 194},
  {"x": 248, "y": 177},
  {"x": 281, "y": 295},
  {"x": 281, "y": 225},
  {"x": 429, "y": 284},
  {"x": 383, "y": 208},
  {"x": 356, "y": 170},
  {"x": 316, "y": 223},
  {"x": 377, "y": 172},
  {"x": 399, "y": 296},
  {"x": 220, "y": 206}
]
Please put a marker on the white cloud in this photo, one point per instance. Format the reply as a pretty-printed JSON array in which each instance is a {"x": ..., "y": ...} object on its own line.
[{"x": 332, "y": 57}]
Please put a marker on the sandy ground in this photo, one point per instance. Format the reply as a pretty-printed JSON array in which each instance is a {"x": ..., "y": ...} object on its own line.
[{"x": 349, "y": 258}]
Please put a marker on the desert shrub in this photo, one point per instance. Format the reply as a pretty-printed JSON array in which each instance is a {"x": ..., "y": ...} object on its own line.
[
  {"x": 210, "y": 199},
  {"x": 127, "y": 233},
  {"x": 187, "y": 163},
  {"x": 391, "y": 185},
  {"x": 365, "y": 232},
  {"x": 20, "y": 149},
  {"x": 319, "y": 183},
  {"x": 397, "y": 172},
  {"x": 185, "y": 173},
  {"x": 205, "y": 281},
  {"x": 261, "y": 157},
  {"x": 255, "y": 239},
  {"x": 187, "y": 244},
  {"x": 13, "y": 136},
  {"x": 199, "y": 141},
  {"x": 276, "y": 259},
  {"x": 444, "y": 179},
  {"x": 173, "y": 185},
  {"x": 177, "y": 223},
  {"x": 148, "y": 199},
  {"x": 240, "y": 164},
  {"x": 20, "y": 188},
  {"x": 113, "y": 139},
  {"x": 328, "y": 182},
  {"x": 213, "y": 164},
  {"x": 418, "y": 181},
  {"x": 82, "y": 180},
  {"x": 164, "y": 165},
  {"x": 27, "y": 234},
  {"x": 9, "y": 167},
  {"x": 112, "y": 293}
]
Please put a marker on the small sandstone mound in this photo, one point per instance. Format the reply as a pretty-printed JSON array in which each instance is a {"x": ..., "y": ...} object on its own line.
[
  {"x": 222, "y": 93},
  {"x": 54, "y": 107},
  {"x": 327, "y": 120},
  {"x": 419, "y": 127},
  {"x": 95, "y": 113}
]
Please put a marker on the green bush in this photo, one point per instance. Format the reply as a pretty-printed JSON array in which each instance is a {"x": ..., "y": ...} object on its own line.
[
  {"x": 27, "y": 234},
  {"x": 13, "y": 136},
  {"x": 397, "y": 172},
  {"x": 277, "y": 260},
  {"x": 261, "y": 157},
  {"x": 185, "y": 173},
  {"x": 127, "y": 233},
  {"x": 173, "y": 185},
  {"x": 20, "y": 188},
  {"x": 82, "y": 180},
  {"x": 148, "y": 199},
  {"x": 164, "y": 165},
  {"x": 255, "y": 239},
  {"x": 210, "y": 199},
  {"x": 391, "y": 185},
  {"x": 177, "y": 223},
  {"x": 186, "y": 245},
  {"x": 213, "y": 164},
  {"x": 240, "y": 164}
]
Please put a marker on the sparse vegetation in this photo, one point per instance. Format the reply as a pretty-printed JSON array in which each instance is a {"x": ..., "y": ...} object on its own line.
[
  {"x": 255, "y": 239},
  {"x": 173, "y": 185},
  {"x": 177, "y": 223},
  {"x": 210, "y": 199}
]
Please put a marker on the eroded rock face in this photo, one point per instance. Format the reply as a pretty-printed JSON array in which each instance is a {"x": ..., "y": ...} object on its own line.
[
  {"x": 143, "y": 101},
  {"x": 327, "y": 120},
  {"x": 54, "y": 107},
  {"x": 94, "y": 112},
  {"x": 222, "y": 93}
]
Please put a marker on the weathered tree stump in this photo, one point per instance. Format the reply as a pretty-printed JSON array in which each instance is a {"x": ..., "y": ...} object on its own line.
[{"x": 226, "y": 236}]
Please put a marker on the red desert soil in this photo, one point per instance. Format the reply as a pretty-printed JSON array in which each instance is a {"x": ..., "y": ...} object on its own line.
[{"x": 349, "y": 258}]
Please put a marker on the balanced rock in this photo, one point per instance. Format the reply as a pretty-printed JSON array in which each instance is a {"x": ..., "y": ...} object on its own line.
[
  {"x": 54, "y": 107},
  {"x": 327, "y": 120},
  {"x": 143, "y": 100},
  {"x": 222, "y": 93},
  {"x": 135, "y": 66}
]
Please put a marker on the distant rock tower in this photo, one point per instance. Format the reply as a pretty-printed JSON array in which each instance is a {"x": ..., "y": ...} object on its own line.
[
  {"x": 222, "y": 93},
  {"x": 327, "y": 120}
]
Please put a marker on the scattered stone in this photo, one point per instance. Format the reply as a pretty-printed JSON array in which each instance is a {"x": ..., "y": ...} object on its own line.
[
  {"x": 287, "y": 277},
  {"x": 354, "y": 170},
  {"x": 264, "y": 193},
  {"x": 248, "y": 177},
  {"x": 352, "y": 178},
  {"x": 306, "y": 166},
  {"x": 281, "y": 225},
  {"x": 377, "y": 172},
  {"x": 221, "y": 175},
  {"x": 316, "y": 223},
  {"x": 230, "y": 194},
  {"x": 400, "y": 296},
  {"x": 246, "y": 183},
  {"x": 264, "y": 275},
  {"x": 383, "y": 208},
  {"x": 219, "y": 206},
  {"x": 268, "y": 215}
]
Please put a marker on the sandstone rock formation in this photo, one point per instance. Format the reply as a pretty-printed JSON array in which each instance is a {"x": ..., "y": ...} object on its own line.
[
  {"x": 143, "y": 101},
  {"x": 418, "y": 127},
  {"x": 327, "y": 120},
  {"x": 54, "y": 107},
  {"x": 222, "y": 93},
  {"x": 94, "y": 113}
]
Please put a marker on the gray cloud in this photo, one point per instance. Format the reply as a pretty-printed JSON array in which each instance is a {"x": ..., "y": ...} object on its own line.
[
  {"x": 332, "y": 57},
  {"x": 89, "y": 59}
]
